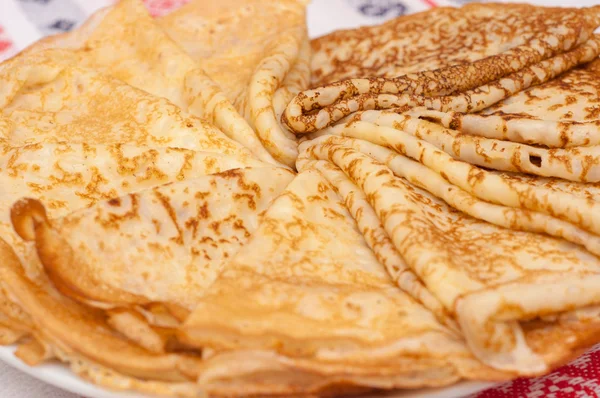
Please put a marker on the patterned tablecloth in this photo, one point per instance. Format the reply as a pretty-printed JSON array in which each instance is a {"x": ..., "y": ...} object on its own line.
[{"x": 24, "y": 21}]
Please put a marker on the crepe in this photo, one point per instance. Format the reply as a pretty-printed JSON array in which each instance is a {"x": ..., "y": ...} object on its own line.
[
  {"x": 308, "y": 286},
  {"x": 444, "y": 36},
  {"x": 377, "y": 238},
  {"x": 166, "y": 244},
  {"x": 249, "y": 49},
  {"x": 550, "y": 130},
  {"x": 289, "y": 290},
  {"x": 73, "y": 134},
  {"x": 488, "y": 287},
  {"x": 131, "y": 228},
  {"x": 65, "y": 179},
  {"x": 44, "y": 99},
  {"x": 71, "y": 137},
  {"x": 574, "y": 203},
  {"x": 72, "y": 331},
  {"x": 504, "y": 49},
  {"x": 123, "y": 41}
]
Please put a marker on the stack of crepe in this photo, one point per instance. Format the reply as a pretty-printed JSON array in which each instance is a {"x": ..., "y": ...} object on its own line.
[{"x": 162, "y": 229}]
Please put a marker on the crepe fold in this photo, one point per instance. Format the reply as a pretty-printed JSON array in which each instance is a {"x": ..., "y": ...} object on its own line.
[
  {"x": 495, "y": 249},
  {"x": 60, "y": 328},
  {"x": 308, "y": 287},
  {"x": 125, "y": 42},
  {"x": 257, "y": 52},
  {"x": 80, "y": 126},
  {"x": 295, "y": 303},
  {"x": 550, "y": 130},
  {"x": 414, "y": 60},
  {"x": 166, "y": 244},
  {"x": 72, "y": 136}
]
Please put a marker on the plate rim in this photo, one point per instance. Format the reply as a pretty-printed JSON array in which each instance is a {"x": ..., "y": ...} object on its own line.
[{"x": 61, "y": 376}]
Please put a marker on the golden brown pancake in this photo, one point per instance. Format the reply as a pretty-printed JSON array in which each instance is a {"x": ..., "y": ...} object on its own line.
[
  {"x": 413, "y": 60},
  {"x": 155, "y": 249},
  {"x": 550, "y": 130},
  {"x": 308, "y": 286},
  {"x": 72, "y": 136},
  {"x": 71, "y": 331}
]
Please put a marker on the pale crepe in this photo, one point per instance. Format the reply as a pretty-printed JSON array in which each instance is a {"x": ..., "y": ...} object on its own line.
[
  {"x": 576, "y": 204},
  {"x": 377, "y": 238},
  {"x": 74, "y": 331},
  {"x": 71, "y": 137},
  {"x": 125, "y": 42},
  {"x": 166, "y": 244},
  {"x": 249, "y": 48},
  {"x": 67, "y": 177},
  {"x": 306, "y": 252},
  {"x": 489, "y": 277},
  {"x": 44, "y": 98},
  {"x": 504, "y": 49},
  {"x": 308, "y": 286},
  {"x": 469, "y": 203},
  {"x": 576, "y": 164}
]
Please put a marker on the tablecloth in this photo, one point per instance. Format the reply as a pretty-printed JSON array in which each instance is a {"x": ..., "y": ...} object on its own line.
[{"x": 25, "y": 21}]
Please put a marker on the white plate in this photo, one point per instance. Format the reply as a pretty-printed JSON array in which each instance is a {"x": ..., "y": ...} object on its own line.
[{"x": 60, "y": 376}]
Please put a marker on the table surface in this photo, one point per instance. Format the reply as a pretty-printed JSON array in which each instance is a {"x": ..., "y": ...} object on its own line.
[
  {"x": 23, "y": 22},
  {"x": 15, "y": 384}
]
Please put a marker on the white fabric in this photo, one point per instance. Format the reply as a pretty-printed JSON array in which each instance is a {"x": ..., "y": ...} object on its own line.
[{"x": 15, "y": 384}]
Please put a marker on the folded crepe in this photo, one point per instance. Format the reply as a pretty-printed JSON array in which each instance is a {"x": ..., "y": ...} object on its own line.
[
  {"x": 62, "y": 329},
  {"x": 276, "y": 285},
  {"x": 414, "y": 60},
  {"x": 258, "y": 54},
  {"x": 302, "y": 258},
  {"x": 71, "y": 137},
  {"x": 166, "y": 244},
  {"x": 550, "y": 130},
  {"x": 491, "y": 278},
  {"x": 308, "y": 287},
  {"x": 44, "y": 98},
  {"x": 125, "y": 42}
]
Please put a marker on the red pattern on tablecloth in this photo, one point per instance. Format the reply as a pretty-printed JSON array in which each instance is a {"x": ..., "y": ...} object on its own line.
[
  {"x": 579, "y": 379},
  {"x": 162, "y": 7},
  {"x": 430, "y": 3},
  {"x": 6, "y": 44}
]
